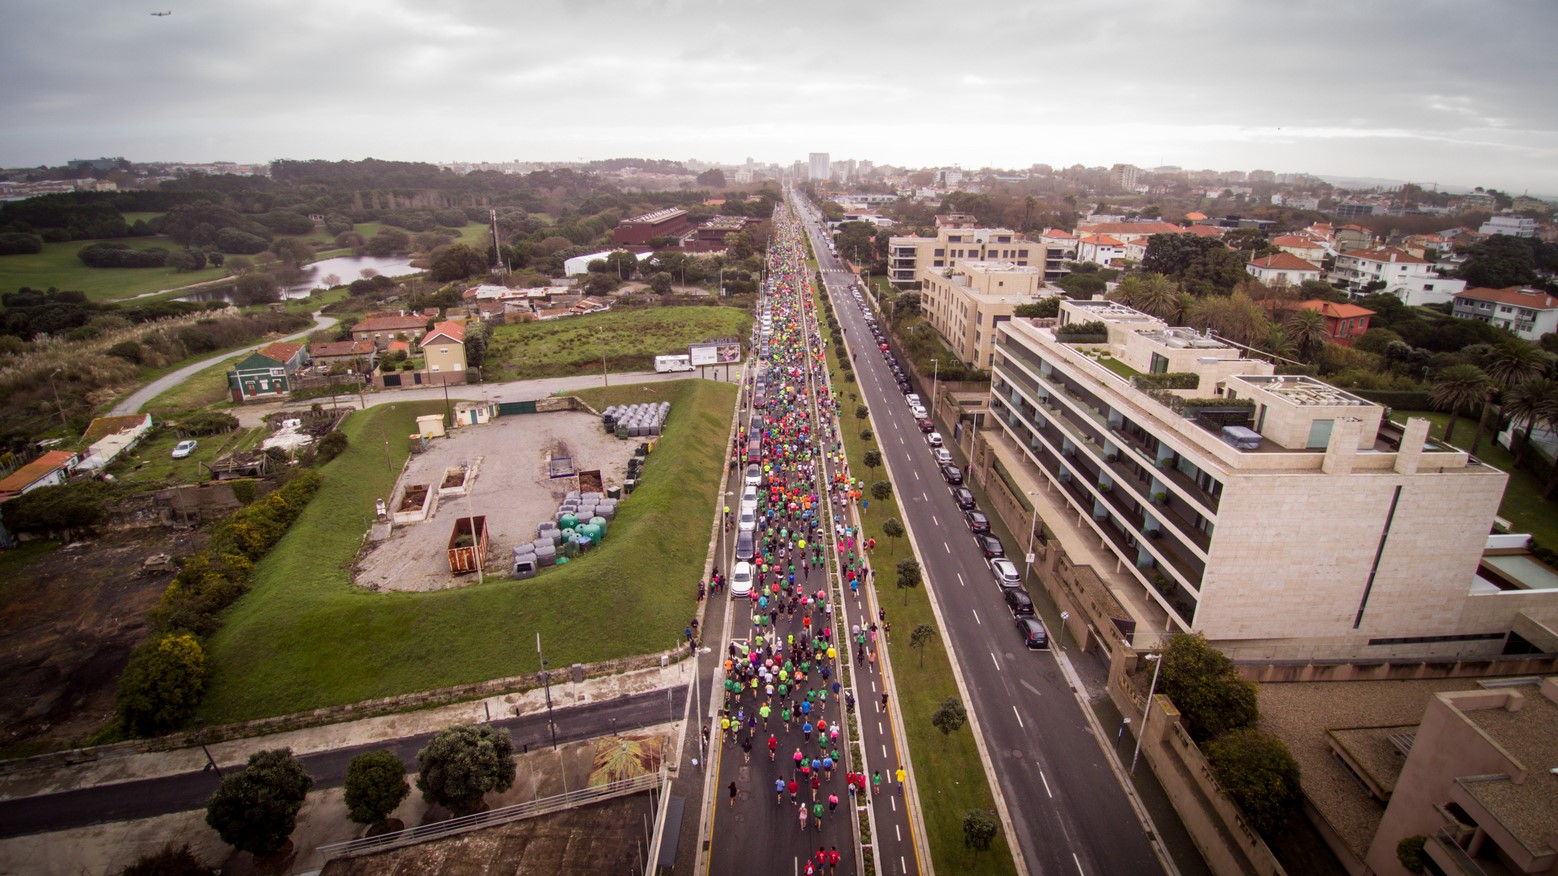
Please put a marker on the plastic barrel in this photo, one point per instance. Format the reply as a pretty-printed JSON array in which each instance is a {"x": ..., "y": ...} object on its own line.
[
  {"x": 562, "y": 560},
  {"x": 606, "y": 513},
  {"x": 600, "y": 522},
  {"x": 568, "y": 521},
  {"x": 592, "y": 531}
]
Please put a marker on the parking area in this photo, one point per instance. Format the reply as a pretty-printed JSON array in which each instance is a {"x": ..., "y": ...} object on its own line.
[{"x": 509, "y": 484}]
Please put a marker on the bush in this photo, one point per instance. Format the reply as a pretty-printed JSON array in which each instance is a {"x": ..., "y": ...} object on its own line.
[
  {"x": 1170, "y": 380},
  {"x": 256, "y": 810},
  {"x": 375, "y": 785},
  {"x": 1211, "y": 696},
  {"x": 1410, "y": 853},
  {"x": 202, "y": 423},
  {"x": 231, "y": 240},
  {"x": 980, "y": 827},
  {"x": 1258, "y": 773},
  {"x": 16, "y": 243},
  {"x": 168, "y": 862},
  {"x": 462, "y": 764},
  {"x": 162, "y": 685},
  {"x": 118, "y": 255},
  {"x": 58, "y": 511},
  {"x": 1083, "y": 332},
  {"x": 330, "y": 446}
]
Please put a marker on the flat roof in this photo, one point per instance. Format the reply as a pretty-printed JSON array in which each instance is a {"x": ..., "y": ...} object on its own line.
[
  {"x": 1301, "y": 389},
  {"x": 1529, "y": 736},
  {"x": 996, "y": 267},
  {"x": 1185, "y": 339}
]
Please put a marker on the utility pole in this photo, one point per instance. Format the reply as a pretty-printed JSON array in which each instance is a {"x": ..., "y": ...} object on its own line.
[
  {"x": 546, "y": 679},
  {"x": 57, "y": 406},
  {"x": 600, "y": 340}
]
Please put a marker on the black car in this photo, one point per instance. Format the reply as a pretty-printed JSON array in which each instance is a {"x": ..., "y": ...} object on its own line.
[
  {"x": 989, "y": 545},
  {"x": 903, "y": 387},
  {"x": 1032, "y": 633},
  {"x": 976, "y": 521},
  {"x": 964, "y": 497},
  {"x": 1019, "y": 603},
  {"x": 952, "y": 474}
]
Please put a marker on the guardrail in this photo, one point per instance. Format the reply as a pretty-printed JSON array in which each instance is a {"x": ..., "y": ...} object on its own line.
[{"x": 517, "y": 812}]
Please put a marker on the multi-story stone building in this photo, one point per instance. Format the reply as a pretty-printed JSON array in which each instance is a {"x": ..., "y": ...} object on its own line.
[
  {"x": 1278, "y": 515},
  {"x": 966, "y": 302},
  {"x": 1394, "y": 272},
  {"x": 957, "y": 239}
]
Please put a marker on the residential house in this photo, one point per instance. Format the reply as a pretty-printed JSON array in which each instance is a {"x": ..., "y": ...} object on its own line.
[
  {"x": 1126, "y": 232},
  {"x": 1101, "y": 249},
  {"x": 443, "y": 348},
  {"x": 1511, "y": 224},
  {"x": 267, "y": 373},
  {"x": 1206, "y": 231},
  {"x": 109, "y": 437},
  {"x": 383, "y": 328},
  {"x": 1345, "y": 323},
  {"x": 1529, "y": 313},
  {"x": 1395, "y": 272},
  {"x": 49, "y": 470},
  {"x": 359, "y": 357},
  {"x": 1282, "y": 269},
  {"x": 1308, "y": 249},
  {"x": 1352, "y": 237},
  {"x": 966, "y": 302}
]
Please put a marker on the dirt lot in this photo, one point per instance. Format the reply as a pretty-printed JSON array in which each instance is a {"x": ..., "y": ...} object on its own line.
[
  {"x": 69, "y": 620},
  {"x": 511, "y": 487}
]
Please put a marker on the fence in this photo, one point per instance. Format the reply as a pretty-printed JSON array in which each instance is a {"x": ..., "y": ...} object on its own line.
[{"x": 493, "y": 817}]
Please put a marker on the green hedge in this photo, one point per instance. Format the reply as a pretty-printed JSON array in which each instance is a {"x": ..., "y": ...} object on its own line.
[
  {"x": 1396, "y": 399},
  {"x": 1170, "y": 380}
]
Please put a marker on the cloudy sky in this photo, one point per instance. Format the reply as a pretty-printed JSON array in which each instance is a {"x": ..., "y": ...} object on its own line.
[{"x": 1458, "y": 93}]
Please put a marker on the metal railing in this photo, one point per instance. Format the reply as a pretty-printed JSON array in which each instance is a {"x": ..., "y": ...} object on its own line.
[{"x": 517, "y": 812}]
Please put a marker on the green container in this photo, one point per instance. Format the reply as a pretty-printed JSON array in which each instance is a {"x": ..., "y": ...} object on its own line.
[
  {"x": 568, "y": 522},
  {"x": 600, "y": 522},
  {"x": 561, "y": 560},
  {"x": 592, "y": 532},
  {"x": 567, "y": 550}
]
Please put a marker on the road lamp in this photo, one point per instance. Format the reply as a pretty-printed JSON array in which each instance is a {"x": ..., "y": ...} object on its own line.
[
  {"x": 1146, "y": 713},
  {"x": 546, "y": 679},
  {"x": 935, "y": 383},
  {"x": 57, "y": 406},
  {"x": 600, "y": 341},
  {"x": 1033, "y": 527},
  {"x": 210, "y": 761}
]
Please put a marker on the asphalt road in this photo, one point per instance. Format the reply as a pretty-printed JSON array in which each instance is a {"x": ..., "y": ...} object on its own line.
[
  {"x": 1069, "y": 811},
  {"x": 143, "y": 799}
]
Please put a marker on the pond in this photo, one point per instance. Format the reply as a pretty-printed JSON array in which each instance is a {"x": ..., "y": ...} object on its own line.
[{"x": 323, "y": 274}]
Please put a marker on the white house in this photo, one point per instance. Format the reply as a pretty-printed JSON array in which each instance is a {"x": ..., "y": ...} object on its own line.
[
  {"x": 1404, "y": 275},
  {"x": 1282, "y": 269},
  {"x": 1101, "y": 249},
  {"x": 1510, "y": 224},
  {"x": 1529, "y": 313},
  {"x": 1306, "y": 248}
]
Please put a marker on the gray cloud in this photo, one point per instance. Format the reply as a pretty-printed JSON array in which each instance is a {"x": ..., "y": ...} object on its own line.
[{"x": 1436, "y": 91}]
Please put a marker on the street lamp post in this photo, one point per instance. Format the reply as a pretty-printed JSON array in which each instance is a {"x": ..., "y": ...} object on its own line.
[
  {"x": 1033, "y": 527},
  {"x": 1146, "y": 713},
  {"x": 210, "y": 761},
  {"x": 935, "y": 384},
  {"x": 600, "y": 341},
  {"x": 546, "y": 679}
]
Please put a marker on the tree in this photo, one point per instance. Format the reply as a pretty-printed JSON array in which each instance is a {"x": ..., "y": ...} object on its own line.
[
  {"x": 1410, "y": 852},
  {"x": 660, "y": 283},
  {"x": 1044, "y": 308},
  {"x": 1214, "y": 272},
  {"x": 292, "y": 251},
  {"x": 375, "y": 785},
  {"x": 881, "y": 490},
  {"x": 256, "y": 810},
  {"x": 1523, "y": 404},
  {"x": 861, "y": 412},
  {"x": 60, "y": 510},
  {"x": 1258, "y": 773},
  {"x": 1154, "y": 294},
  {"x": 980, "y": 828},
  {"x": 1509, "y": 365},
  {"x": 1307, "y": 331},
  {"x": 162, "y": 684},
  {"x": 1211, "y": 696},
  {"x": 1458, "y": 389},
  {"x": 949, "y": 717},
  {"x": 169, "y": 861},
  {"x": 893, "y": 530},
  {"x": 921, "y": 637},
  {"x": 908, "y": 576},
  {"x": 1236, "y": 317},
  {"x": 622, "y": 263},
  {"x": 713, "y": 178},
  {"x": 457, "y": 261},
  {"x": 462, "y": 764},
  {"x": 1498, "y": 262},
  {"x": 872, "y": 459},
  {"x": 255, "y": 287}
]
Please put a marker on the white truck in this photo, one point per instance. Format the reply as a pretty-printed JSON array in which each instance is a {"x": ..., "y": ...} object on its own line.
[{"x": 673, "y": 363}]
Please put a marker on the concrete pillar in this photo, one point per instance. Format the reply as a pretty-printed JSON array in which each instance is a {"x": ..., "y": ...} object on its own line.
[
  {"x": 1410, "y": 453},
  {"x": 1342, "y": 450}
]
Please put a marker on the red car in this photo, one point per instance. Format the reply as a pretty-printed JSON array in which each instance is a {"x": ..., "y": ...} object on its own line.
[
  {"x": 884, "y": 348},
  {"x": 926, "y": 425}
]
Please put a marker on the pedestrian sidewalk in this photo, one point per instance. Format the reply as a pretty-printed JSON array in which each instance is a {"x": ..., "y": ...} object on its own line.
[{"x": 49, "y": 777}]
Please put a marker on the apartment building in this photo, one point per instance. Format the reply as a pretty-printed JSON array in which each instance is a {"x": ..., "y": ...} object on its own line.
[
  {"x": 1511, "y": 224},
  {"x": 1529, "y": 313},
  {"x": 966, "y": 302},
  {"x": 1405, "y": 276},
  {"x": 1282, "y": 269},
  {"x": 907, "y": 256},
  {"x": 1280, "y": 516}
]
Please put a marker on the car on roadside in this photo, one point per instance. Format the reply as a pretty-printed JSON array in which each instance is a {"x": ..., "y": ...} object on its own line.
[
  {"x": 746, "y": 546},
  {"x": 914, "y": 400},
  {"x": 943, "y": 455},
  {"x": 883, "y": 347},
  {"x": 1033, "y": 634},
  {"x": 903, "y": 386},
  {"x": 964, "y": 497},
  {"x": 754, "y": 477},
  {"x": 1018, "y": 602},
  {"x": 952, "y": 474},
  {"x": 977, "y": 522},
  {"x": 989, "y": 545},
  {"x": 919, "y": 413},
  {"x": 925, "y": 424},
  {"x": 933, "y": 439},
  {"x": 748, "y": 520},
  {"x": 1005, "y": 572},
  {"x": 741, "y": 580},
  {"x": 184, "y": 448}
]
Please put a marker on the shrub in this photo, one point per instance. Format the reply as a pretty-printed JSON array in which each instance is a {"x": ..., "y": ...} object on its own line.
[
  {"x": 58, "y": 511},
  {"x": 1211, "y": 696},
  {"x": 462, "y": 764},
  {"x": 208, "y": 423},
  {"x": 16, "y": 243},
  {"x": 1258, "y": 773},
  {"x": 162, "y": 685},
  {"x": 1077, "y": 332},
  {"x": 1170, "y": 380},
  {"x": 169, "y": 861},
  {"x": 1410, "y": 853},
  {"x": 118, "y": 255},
  {"x": 231, "y": 240},
  {"x": 256, "y": 810},
  {"x": 375, "y": 785},
  {"x": 330, "y": 446}
]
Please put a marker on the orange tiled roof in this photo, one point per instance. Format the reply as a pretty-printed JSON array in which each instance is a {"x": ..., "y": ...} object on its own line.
[
  {"x": 1284, "y": 261},
  {"x": 34, "y": 471},
  {"x": 1292, "y": 240},
  {"x": 280, "y": 351},
  {"x": 1384, "y": 254},
  {"x": 450, "y": 329},
  {"x": 1333, "y": 309},
  {"x": 1515, "y": 296}
]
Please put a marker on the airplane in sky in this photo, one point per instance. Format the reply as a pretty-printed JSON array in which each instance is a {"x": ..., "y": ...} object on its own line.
[{"x": 161, "y": 14}]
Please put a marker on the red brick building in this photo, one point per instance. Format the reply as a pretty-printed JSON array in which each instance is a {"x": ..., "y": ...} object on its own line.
[
  {"x": 640, "y": 230},
  {"x": 1345, "y": 322}
]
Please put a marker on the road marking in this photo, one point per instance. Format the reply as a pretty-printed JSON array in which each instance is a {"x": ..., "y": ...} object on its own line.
[
  {"x": 936, "y": 520},
  {"x": 1024, "y": 683},
  {"x": 898, "y": 832},
  {"x": 894, "y": 805},
  {"x": 906, "y": 866},
  {"x": 975, "y": 612},
  {"x": 884, "y": 749},
  {"x": 1046, "y": 785},
  {"x": 995, "y": 661},
  {"x": 916, "y": 474},
  {"x": 1019, "y": 718},
  {"x": 1079, "y": 864},
  {"x": 961, "y": 581},
  {"x": 946, "y": 547}
]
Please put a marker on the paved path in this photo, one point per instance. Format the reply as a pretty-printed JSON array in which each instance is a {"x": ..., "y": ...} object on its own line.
[{"x": 157, "y": 387}]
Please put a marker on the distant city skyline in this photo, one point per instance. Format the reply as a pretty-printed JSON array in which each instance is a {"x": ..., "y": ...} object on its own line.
[{"x": 1432, "y": 92}]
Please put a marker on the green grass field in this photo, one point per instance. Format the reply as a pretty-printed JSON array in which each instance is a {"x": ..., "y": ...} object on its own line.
[
  {"x": 207, "y": 388},
  {"x": 629, "y": 339},
  {"x": 1523, "y": 505},
  {"x": 152, "y": 463},
  {"x": 948, "y": 771},
  {"x": 305, "y": 637},
  {"x": 58, "y": 266}
]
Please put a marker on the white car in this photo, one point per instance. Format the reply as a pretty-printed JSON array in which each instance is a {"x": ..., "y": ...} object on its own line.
[
  {"x": 741, "y": 580},
  {"x": 749, "y": 494},
  {"x": 933, "y": 439},
  {"x": 943, "y": 456},
  {"x": 748, "y": 520},
  {"x": 184, "y": 448},
  {"x": 1005, "y": 572},
  {"x": 913, "y": 399},
  {"x": 754, "y": 475},
  {"x": 918, "y": 412}
]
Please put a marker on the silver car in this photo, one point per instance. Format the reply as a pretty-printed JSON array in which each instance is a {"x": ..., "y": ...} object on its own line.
[{"x": 1005, "y": 572}]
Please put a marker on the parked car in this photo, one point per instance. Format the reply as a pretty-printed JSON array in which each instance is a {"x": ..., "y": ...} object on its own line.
[
  {"x": 976, "y": 521},
  {"x": 741, "y": 580},
  {"x": 914, "y": 400},
  {"x": 883, "y": 347},
  {"x": 748, "y": 520},
  {"x": 964, "y": 497},
  {"x": 918, "y": 412},
  {"x": 754, "y": 476},
  {"x": 933, "y": 439},
  {"x": 184, "y": 448},
  {"x": 943, "y": 455},
  {"x": 952, "y": 474},
  {"x": 1005, "y": 572},
  {"x": 1019, "y": 603},
  {"x": 903, "y": 386},
  {"x": 1033, "y": 634},
  {"x": 925, "y": 424},
  {"x": 989, "y": 545},
  {"x": 746, "y": 546}
]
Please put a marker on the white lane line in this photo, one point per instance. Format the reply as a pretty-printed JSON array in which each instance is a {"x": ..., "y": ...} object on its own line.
[
  {"x": 1019, "y": 718},
  {"x": 916, "y": 474},
  {"x": 995, "y": 661},
  {"x": 894, "y": 805},
  {"x": 946, "y": 547},
  {"x": 884, "y": 752},
  {"x": 1031, "y": 688},
  {"x": 1079, "y": 864},
  {"x": 902, "y": 864},
  {"x": 1046, "y": 785},
  {"x": 898, "y": 832},
  {"x": 961, "y": 581},
  {"x": 975, "y": 612},
  {"x": 936, "y": 520}
]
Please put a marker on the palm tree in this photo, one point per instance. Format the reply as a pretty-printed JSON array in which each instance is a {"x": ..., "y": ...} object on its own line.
[
  {"x": 1509, "y": 365},
  {"x": 1458, "y": 389},
  {"x": 1523, "y": 405},
  {"x": 1153, "y": 294},
  {"x": 1547, "y": 412},
  {"x": 1306, "y": 329}
]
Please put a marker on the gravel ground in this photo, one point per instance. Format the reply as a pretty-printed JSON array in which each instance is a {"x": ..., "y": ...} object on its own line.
[{"x": 511, "y": 488}]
